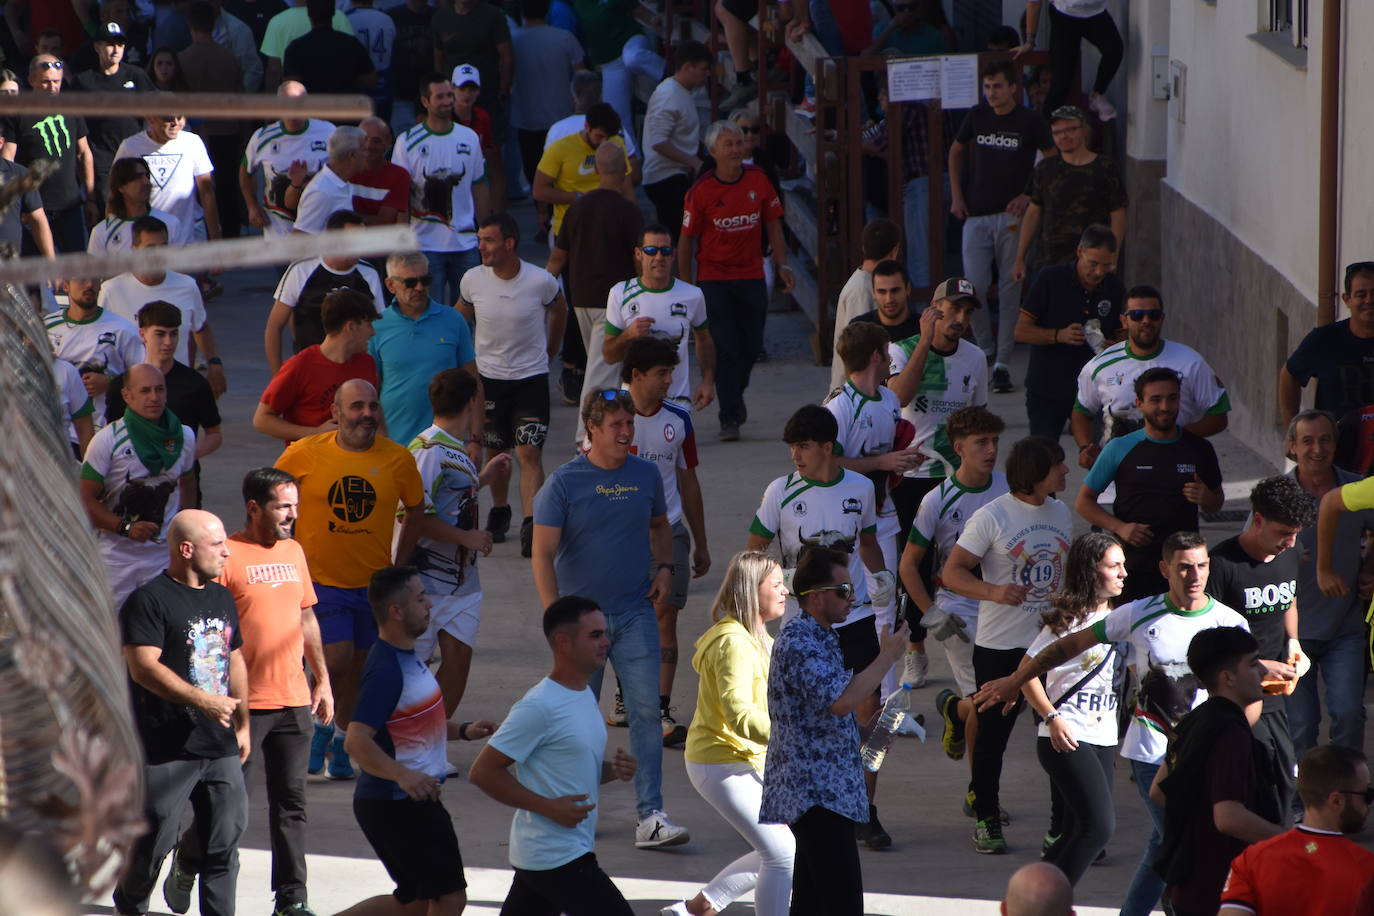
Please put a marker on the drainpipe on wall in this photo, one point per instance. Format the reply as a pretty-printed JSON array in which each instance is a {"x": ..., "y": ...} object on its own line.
[{"x": 1328, "y": 162}]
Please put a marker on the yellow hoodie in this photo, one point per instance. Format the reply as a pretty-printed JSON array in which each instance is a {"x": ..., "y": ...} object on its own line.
[{"x": 731, "y": 722}]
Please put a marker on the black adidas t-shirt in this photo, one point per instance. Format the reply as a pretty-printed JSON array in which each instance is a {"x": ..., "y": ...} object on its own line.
[
  {"x": 1001, "y": 155},
  {"x": 1260, "y": 591}
]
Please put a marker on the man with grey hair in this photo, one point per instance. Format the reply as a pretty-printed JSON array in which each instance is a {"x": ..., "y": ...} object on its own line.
[
  {"x": 415, "y": 338},
  {"x": 725, "y": 215},
  {"x": 330, "y": 191},
  {"x": 1038, "y": 889},
  {"x": 381, "y": 190},
  {"x": 289, "y": 152}
]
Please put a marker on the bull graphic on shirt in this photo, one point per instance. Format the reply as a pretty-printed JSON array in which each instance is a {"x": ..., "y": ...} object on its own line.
[
  {"x": 433, "y": 197},
  {"x": 826, "y": 537},
  {"x": 143, "y": 501}
]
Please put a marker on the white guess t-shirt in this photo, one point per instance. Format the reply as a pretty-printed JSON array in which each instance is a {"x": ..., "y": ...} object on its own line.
[{"x": 174, "y": 166}]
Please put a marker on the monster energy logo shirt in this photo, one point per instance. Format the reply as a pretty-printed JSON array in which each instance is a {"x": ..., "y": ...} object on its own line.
[{"x": 49, "y": 137}]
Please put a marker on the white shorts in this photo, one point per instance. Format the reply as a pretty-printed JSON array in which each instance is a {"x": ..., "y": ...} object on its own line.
[
  {"x": 457, "y": 615},
  {"x": 960, "y": 655}
]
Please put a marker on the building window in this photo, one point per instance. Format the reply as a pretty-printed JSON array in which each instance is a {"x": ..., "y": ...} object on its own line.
[{"x": 1289, "y": 17}]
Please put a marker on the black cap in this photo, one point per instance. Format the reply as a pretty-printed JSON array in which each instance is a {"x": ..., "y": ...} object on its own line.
[{"x": 111, "y": 33}]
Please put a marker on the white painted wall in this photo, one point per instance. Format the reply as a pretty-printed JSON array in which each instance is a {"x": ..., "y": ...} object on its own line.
[
  {"x": 1357, "y": 163},
  {"x": 1147, "y": 125},
  {"x": 1247, "y": 152}
]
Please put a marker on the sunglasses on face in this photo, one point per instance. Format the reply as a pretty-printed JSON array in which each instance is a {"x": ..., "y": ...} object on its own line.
[
  {"x": 1367, "y": 793},
  {"x": 845, "y": 590},
  {"x": 749, "y": 129},
  {"x": 1145, "y": 314},
  {"x": 412, "y": 282},
  {"x": 655, "y": 250}
]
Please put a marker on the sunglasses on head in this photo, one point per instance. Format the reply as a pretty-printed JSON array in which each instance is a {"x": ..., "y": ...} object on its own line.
[
  {"x": 412, "y": 282},
  {"x": 1367, "y": 793},
  {"x": 654, "y": 250},
  {"x": 1145, "y": 314},
  {"x": 50, "y": 65},
  {"x": 616, "y": 395},
  {"x": 845, "y": 590}
]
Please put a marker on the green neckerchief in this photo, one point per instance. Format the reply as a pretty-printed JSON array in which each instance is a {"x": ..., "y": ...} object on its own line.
[{"x": 158, "y": 444}]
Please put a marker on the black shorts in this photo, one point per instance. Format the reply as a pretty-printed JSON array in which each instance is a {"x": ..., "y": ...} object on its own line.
[
  {"x": 415, "y": 841},
  {"x": 858, "y": 643},
  {"x": 517, "y": 411},
  {"x": 742, "y": 9}
]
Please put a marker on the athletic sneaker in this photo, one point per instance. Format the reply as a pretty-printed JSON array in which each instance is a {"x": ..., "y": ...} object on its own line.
[
  {"x": 1048, "y": 843},
  {"x": 498, "y": 523},
  {"x": 1002, "y": 815},
  {"x": 527, "y": 536},
  {"x": 915, "y": 669},
  {"x": 729, "y": 432},
  {"x": 1104, "y": 109},
  {"x": 339, "y": 765},
  {"x": 987, "y": 838},
  {"x": 952, "y": 738},
  {"x": 677, "y": 909},
  {"x": 618, "y": 717},
  {"x": 872, "y": 834},
  {"x": 674, "y": 735},
  {"x": 293, "y": 909},
  {"x": 656, "y": 832},
  {"x": 177, "y": 887},
  {"x": 570, "y": 386},
  {"x": 1001, "y": 380},
  {"x": 319, "y": 746}
]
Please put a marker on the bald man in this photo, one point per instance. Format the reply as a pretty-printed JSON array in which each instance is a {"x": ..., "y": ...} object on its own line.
[
  {"x": 1038, "y": 889},
  {"x": 381, "y": 191},
  {"x": 180, "y": 633},
  {"x": 599, "y": 233},
  {"x": 289, "y": 152},
  {"x": 351, "y": 482},
  {"x": 135, "y": 476}
]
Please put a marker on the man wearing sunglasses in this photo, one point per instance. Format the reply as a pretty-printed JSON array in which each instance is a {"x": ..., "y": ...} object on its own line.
[
  {"x": 417, "y": 338},
  {"x": 1314, "y": 868},
  {"x": 812, "y": 779},
  {"x": 1106, "y": 384},
  {"x": 62, "y": 139}
]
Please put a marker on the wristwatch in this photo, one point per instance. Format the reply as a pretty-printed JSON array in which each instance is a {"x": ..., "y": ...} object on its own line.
[
  {"x": 1051, "y": 717},
  {"x": 124, "y": 528}
]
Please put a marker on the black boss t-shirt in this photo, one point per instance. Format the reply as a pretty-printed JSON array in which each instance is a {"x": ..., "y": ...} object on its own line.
[
  {"x": 1262, "y": 592},
  {"x": 196, "y": 629},
  {"x": 1001, "y": 155}
]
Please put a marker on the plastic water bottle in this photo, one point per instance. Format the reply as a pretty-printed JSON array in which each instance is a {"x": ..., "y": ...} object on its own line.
[
  {"x": 897, "y": 708},
  {"x": 1092, "y": 333}
]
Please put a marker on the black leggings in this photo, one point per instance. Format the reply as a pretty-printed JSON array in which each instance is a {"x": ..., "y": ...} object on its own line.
[
  {"x": 1066, "y": 35},
  {"x": 994, "y": 729},
  {"x": 579, "y": 888},
  {"x": 826, "y": 880},
  {"x": 1083, "y": 780}
]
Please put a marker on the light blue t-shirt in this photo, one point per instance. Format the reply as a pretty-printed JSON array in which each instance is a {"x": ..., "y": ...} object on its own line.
[
  {"x": 557, "y": 739},
  {"x": 604, "y": 551},
  {"x": 408, "y": 352}
]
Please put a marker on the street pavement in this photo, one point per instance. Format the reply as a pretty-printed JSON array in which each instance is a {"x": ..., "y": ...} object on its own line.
[{"x": 931, "y": 867}]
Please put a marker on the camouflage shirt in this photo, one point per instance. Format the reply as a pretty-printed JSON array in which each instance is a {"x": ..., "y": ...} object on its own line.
[{"x": 1071, "y": 198}]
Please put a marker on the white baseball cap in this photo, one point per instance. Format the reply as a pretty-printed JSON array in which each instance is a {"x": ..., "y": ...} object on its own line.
[{"x": 466, "y": 73}]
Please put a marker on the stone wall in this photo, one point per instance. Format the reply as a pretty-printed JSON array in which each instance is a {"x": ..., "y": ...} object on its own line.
[{"x": 1240, "y": 313}]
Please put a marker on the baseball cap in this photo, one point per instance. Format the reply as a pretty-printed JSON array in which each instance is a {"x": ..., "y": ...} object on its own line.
[
  {"x": 110, "y": 32},
  {"x": 955, "y": 288},
  {"x": 466, "y": 73},
  {"x": 1068, "y": 113}
]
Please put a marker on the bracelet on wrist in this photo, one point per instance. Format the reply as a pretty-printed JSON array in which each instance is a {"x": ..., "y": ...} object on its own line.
[
  {"x": 667, "y": 566},
  {"x": 1051, "y": 717},
  {"x": 463, "y": 731}
]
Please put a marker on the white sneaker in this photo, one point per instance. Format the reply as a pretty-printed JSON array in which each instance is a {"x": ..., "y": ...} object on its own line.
[
  {"x": 677, "y": 909},
  {"x": 657, "y": 831},
  {"x": 915, "y": 669},
  {"x": 1104, "y": 109}
]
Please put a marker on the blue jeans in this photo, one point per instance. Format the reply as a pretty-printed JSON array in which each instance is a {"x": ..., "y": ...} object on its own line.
[
  {"x": 987, "y": 239},
  {"x": 827, "y": 32},
  {"x": 1340, "y": 662},
  {"x": 634, "y": 653},
  {"x": 916, "y": 222},
  {"x": 1147, "y": 886},
  {"x": 737, "y": 310},
  {"x": 447, "y": 268}
]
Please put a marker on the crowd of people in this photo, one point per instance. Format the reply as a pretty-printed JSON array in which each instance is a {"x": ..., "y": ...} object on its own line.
[{"x": 334, "y": 632}]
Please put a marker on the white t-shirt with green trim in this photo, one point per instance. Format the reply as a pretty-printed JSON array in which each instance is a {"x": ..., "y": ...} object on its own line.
[
  {"x": 1106, "y": 386},
  {"x": 115, "y": 233},
  {"x": 1020, "y": 544},
  {"x": 443, "y": 168},
  {"x": 274, "y": 148},
  {"x": 940, "y": 520},
  {"x": 71, "y": 394},
  {"x": 106, "y": 343},
  {"x": 950, "y": 382},
  {"x": 676, "y": 311},
  {"x": 797, "y": 512},
  {"x": 868, "y": 426},
  {"x": 1159, "y": 634}
]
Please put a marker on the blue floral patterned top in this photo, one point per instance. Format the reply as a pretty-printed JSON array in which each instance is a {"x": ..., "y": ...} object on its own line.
[{"x": 813, "y": 754}]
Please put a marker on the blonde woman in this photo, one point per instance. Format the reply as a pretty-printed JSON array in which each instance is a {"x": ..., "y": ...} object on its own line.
[{"x": 729, "y": 733}]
